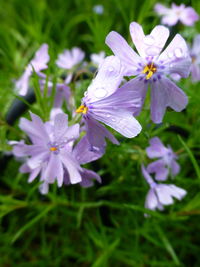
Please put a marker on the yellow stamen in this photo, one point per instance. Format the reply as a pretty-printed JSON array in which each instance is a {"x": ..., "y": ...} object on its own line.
[
  {"x": 193, "y": 59},
  {"x": 149, "y": 69},
  {"x": 82, "y": 109},
  {"x": 53, "y": 148}
]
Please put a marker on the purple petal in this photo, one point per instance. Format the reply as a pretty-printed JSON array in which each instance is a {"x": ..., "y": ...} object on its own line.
[
  {"x": 176, "y": 57},
  {"x": 70, "y": 58},
  {"x": 88, "y": 176},
  {"x": 189, "y": 16},
  {"x": 37, "y": 159},
  {"x": 83, "y": 153},
  {"x": 23, "y": 83},
  {"x": 195, "y": 72},
  {"x": 39, "y": 62},
  {"x": 60, "y": 125},
  {"x": 176, "y": 191},
  {"x": 156, "y": 148},
  {"x": 158, "y": 167},
  {"x": 163, "y": 193},
  {"x": 120, "y": 120},
  {"x": 107, "y": 80},
  {"x": 34, "y": 173},
  {"x": 128, "y": 98},
  {"x": 175, "y": 168},
  {"x": 170, "y": 19},
  {"x": 54, "y": 170},
  {"x": 152, "y": 44},
  {"x": 147, "y": 177},
  {"x": 72, "y": 168},
  {"x": 196, "y": 47},
  {"x": 151, "y": 201},
  {"x": 62, "y": 94},
  {"x": 126, "y": 54},
  {"x": 34, "y": 128},
  {"x": 96, "y": 134},
  {"x": 161, "y": 9},
  {"x": 165, "y": 93}
]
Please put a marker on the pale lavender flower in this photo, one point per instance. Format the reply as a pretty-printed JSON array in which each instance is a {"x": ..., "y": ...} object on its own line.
[
  {"x": 161, "y": 195},
  {"x": 166, "y": 162},
  {"x": 195, "y": 55},
  {"x": 62, "y": 94},
  {"x": 98, "y": 9},
  {"x": 97, "y": 59},
  {"x": 152, "y": 66},
  {"x": 171, "y": 16},
  {"x": 51, "y": 153},
  {"x": 105, "y": 102},
  {"x": 38, "y": 63},
  {"x": 70, "y": 58}
]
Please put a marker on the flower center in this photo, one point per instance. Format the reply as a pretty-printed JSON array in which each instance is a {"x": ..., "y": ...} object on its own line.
[
  {"x": 53, "y": 148},
  {"x": 149, "y": 70},
  {"x": 193, "y": 59},
  {"x": 82, "y": 109}
]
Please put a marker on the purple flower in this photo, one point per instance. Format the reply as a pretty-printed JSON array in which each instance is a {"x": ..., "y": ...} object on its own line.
[
  {"x": 195, "y": 55},
  {"x": 38, "y": 63},
  {"x": 51, "y": 153},
  {"x": 152, "y": 66},
  {"x": 97, "y": 59},
  {"x": 171, "y": 16},
  {"x": 105, "y": 102},
  {"x": 98, "y": 9},
  {"x": 69, "y": 58},
  {"x": 62, "y": 94},
  {"x": 160, "y": 195},
  {"x": 166, "y": 160}
]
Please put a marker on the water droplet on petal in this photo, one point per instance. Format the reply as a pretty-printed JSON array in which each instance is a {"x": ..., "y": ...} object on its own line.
[
  {"x": 86, "y": 93},
  {"x": 95, "y": 148},
  {"x": 108, "y": 115},
  {"x": 110, "y": 69},
  {"x": 152, "y": 51},
  {"x": 100, "y": 92},
  {"x": 170, "y": 55},
  {"x": 149, "y": 40},
  {"x": 178, "y": 52},
  {"x": 114, "y": 120}
]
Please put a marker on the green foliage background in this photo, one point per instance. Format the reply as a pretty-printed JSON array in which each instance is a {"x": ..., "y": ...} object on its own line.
[{"x": 103, "y": 225}]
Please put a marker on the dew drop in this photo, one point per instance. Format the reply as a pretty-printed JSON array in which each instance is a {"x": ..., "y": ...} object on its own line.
[
  {"x": 110, "y": 69},
  {"x": 86, "y": 93},
  {"x": 114, "y": 120},
  {"x": 152, "y": 51},
  {"x": 100, "y": 92},
  {"x": 95, "y": 148},
  {"x": 178, "y": 52},
  {"x": 170, "y": 55},
  {"x": 149, "y": 40},
  {"x": 108, "y": 115}
]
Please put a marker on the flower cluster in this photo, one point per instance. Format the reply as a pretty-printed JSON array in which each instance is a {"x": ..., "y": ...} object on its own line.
[
  {"x": 161, "y": 194},
  {"x": 171, "y": 16},
  {"x": 114, "y": 98}
]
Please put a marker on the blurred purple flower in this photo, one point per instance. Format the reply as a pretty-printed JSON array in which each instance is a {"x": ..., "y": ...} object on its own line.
[
  {"x": 98, "y": 9},
  {"x": 152, "y": 66},
  {"x": 160, "y": 195},
  {"x": 195, "y": 55},
  {"x": 165, "y": 164},
  {"x": 105, "y": 102},
  {"x": 97, "y": 59},
  {"x": 69, "y": 58},
  {"x": 62, "y": 94},
  {"x": 52, "y": 155},
  {"x": 171, "y": 16},
  {"x": 38, "y": 63}
]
